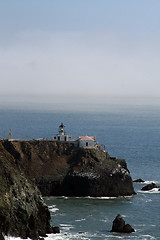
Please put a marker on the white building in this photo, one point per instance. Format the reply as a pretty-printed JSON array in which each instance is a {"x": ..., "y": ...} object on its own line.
[
  {"x": 86, "y": 142},
  {"x": 80, "y": 142},
  {"x": 62, "y": 136}
]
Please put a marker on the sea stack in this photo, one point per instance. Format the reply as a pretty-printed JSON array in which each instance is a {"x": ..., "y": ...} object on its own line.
[{"x": 120, "y": 226}]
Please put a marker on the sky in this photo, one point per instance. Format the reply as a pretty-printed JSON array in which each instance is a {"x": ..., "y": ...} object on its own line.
[{"x": 86, "y": 50}]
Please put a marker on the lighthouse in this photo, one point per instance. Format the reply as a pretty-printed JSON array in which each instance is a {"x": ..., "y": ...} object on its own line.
[
  {"x": 62, "y": 129},
  {"x": 62, "y": 136}
]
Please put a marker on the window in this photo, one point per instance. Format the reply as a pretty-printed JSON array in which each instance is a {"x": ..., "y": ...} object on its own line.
[
  {"x": 54, "y": 137},
  {"x": 86, "y": 144},
  {"x": 65, "y": 139},
  {"x": 58, "y": 138}
]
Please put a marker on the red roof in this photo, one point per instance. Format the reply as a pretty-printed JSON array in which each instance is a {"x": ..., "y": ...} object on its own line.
[{"x": 86, "y": 138}]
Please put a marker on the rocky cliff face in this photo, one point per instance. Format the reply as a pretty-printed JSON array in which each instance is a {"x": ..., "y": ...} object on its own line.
[
  {"x": 59, "y": 169},
  {"x": 22, "y": 210}
]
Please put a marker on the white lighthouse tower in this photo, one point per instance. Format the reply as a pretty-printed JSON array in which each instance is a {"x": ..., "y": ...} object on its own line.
[
  {"x": 62, "y": 136},
  {"x": 62, "y": 129}
]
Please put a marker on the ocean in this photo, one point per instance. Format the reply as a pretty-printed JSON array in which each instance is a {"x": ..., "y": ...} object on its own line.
[{"x": 129, "y": 132}]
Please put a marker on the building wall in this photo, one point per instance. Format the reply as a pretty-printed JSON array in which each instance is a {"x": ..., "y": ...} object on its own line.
[
  {"x": 87, "y": 144},
  {"x": 77, "y": 143},
  {"x": 63, "y": 138}
]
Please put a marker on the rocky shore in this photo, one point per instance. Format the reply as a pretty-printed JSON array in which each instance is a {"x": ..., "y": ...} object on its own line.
[
  {"x": 22, "y": 210},
  {"x": 57, "y": 169}
]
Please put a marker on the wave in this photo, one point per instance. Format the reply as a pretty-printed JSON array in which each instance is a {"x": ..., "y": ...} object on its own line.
[
  {"x": 154, "y": 190},
  {"x": 105, "y": 198},
  {"x": 85, "y": 235},
  {"x": 89, "y": 197},
  {"x": 149, "y": 182},
  {"x": 53, "y": 208},
  {"x": 69, "y": 236},
  {"x": 59, "y": 236},
  {"x": 80, "y": 220},
  {"x": 58, "y": 197},
  {"x": 148, "y": 237},
  {"x": 66, "y": 227}
]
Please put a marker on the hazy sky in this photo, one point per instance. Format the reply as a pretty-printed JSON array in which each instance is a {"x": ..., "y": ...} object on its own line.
[{"x": 79, "y": 48}]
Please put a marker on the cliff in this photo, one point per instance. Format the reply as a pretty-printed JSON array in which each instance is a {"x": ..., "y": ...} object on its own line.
[
  {"x": 22, "y": 210},
  {"x": 61, "y": 170}
]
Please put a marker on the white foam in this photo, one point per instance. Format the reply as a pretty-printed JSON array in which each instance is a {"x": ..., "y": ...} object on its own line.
[
  {"x": 140, "y": 225},
  {"x": 115, "y": 236},
  {"x": 58, "y": 236},
  {"x": 57, "y": 197},
  {"x": 80, "y": 220},
  {"x": 149, "y": 182},
  {"x": 104, "y": 220},
  {"x": 145, "y": 237},
  {"x": 105, "y": 198},
  {"x": 66, "y": 227},
  {"x": 53, "y": 208},
  {"x": 64, "y": 197},
  {"x": 69, "y": 236},
  {"x": 148, "y": 200},
  {"x": 154, "y": 190}
]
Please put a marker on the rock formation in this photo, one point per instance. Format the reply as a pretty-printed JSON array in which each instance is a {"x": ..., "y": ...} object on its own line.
[
  {"x": 149, "y": 187},
  {"x": 22, "y": 210},
  {"x": 139, "y": 180},
  {"x": 60, "y": 169},
  {"x": 120, "y": 226}
]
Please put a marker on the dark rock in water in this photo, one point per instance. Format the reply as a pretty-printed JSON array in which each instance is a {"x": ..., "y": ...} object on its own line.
[
  {"x": 149, "y": 187},
  {"x": 22, "y": 210},
  {"x": 139, "y": 180},
  {"x": 55, "y": 230},
  {"x": 120, "y": 226},
  {"x": 62, "y": 170},
  {"x": 128, "y": 229}
]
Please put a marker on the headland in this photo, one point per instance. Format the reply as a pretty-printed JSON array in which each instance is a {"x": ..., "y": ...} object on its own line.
[
  {"x": 61, "y": 166},
  {"x": 60, "y": 169}
]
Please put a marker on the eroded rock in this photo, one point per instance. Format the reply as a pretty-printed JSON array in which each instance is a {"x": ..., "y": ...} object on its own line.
[
  {"x": 139, "y": 180},
  {"x": 120, "y": 226},
  {"x": 149, "y": 187},
  {"x": 62, "y": 170},
  {"x": 22, "y": 210}
]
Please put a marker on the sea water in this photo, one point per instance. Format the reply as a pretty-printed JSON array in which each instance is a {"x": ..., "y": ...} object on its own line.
[{"x": 132, "y": 133}]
